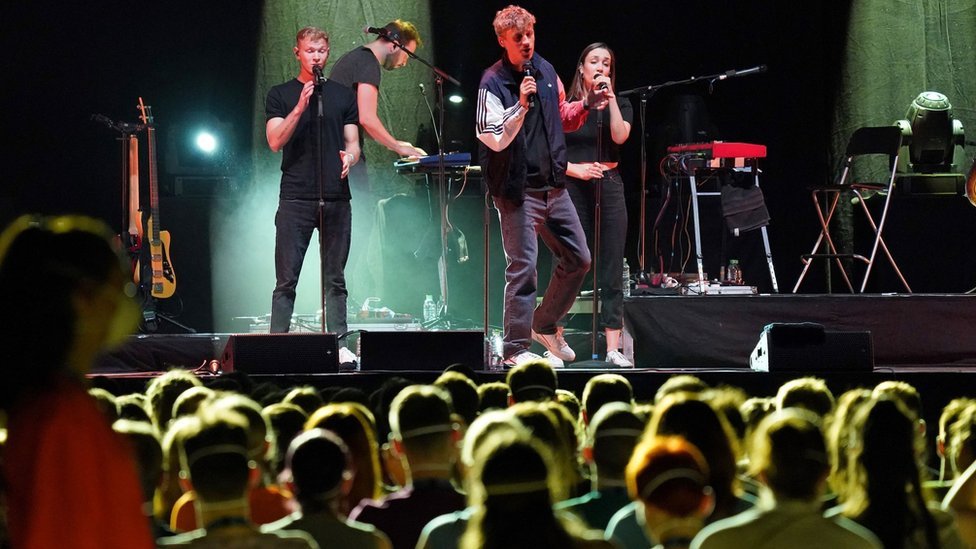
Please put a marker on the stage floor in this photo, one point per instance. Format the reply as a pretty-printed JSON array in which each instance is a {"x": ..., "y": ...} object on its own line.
[{"x": 910, "y": 332}]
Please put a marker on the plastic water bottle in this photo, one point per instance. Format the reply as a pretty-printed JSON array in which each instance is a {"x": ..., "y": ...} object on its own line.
[
  {"x": 733, "y": 275},
  {"x": 626, "y": 278},
  {"x": 430, "y": 308}
]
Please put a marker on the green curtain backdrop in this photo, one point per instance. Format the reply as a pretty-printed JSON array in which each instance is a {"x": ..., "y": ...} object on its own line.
[
  {"x": 894, "y": 50},
  {"x": 244, "y": 261}
]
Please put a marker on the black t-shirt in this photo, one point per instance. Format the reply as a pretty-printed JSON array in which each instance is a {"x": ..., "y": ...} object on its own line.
[
  {"x": 358, "y": 66},
  {"x": 581, "y": 144},
  {"x": 298, "y": 154},
  {"x": 355, "y": 67}
]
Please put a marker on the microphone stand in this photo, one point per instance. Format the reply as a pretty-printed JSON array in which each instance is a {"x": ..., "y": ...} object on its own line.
[
  {"x": 597, "y": 190},
  {"x": 439, "y": 77},
  {"x": 317, "y": 127},
  {"x": 646, "y": 92}
]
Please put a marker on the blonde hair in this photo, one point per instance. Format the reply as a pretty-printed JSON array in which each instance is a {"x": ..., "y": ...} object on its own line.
[
  {"x": 512, "y": 17},
  {"x": 311, "y": 34}
]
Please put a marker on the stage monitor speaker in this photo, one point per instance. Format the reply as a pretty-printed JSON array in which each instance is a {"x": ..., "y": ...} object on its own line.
[
  {"x": 421, "y": 351},
  {"x": 808, "y": 347},
  {"x": 293, "y": 353}
]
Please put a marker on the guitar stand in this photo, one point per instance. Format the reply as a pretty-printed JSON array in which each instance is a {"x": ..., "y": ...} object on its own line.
[
  {"x": 152, "y": 317},
  {"x": 150, "y": 321}
]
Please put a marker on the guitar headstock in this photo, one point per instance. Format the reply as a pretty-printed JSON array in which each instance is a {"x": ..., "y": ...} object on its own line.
[{"x": 145, "y": 113}]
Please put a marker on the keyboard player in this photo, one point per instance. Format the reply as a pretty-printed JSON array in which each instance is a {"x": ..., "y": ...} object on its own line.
[{"x": 360, "y": 70}]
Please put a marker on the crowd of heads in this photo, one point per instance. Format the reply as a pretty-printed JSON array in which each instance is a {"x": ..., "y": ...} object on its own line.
[
  {"x": 530, "y": 460},
  {"x": 687, "y": 456}
]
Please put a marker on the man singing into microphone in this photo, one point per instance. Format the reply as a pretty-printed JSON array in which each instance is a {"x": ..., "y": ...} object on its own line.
[
  {"x": 520, "y": 118},
  {"x": 290, "y": 108}
]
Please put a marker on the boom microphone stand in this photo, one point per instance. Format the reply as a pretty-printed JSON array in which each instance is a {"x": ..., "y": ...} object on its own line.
[
  {"x": 439, "y": 77},
  {"x": 646, "y": 92}
]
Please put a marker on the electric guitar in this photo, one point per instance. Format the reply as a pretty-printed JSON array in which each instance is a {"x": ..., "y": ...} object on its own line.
[
  {"x": 133, "y": 240},
  {"x": 163, "y": 275}
]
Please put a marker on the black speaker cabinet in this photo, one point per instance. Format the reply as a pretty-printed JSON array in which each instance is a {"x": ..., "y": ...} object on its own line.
[
  {"x": 421, "y": 351},
  {"x": 808, "y": 347},
  {"x": 293, "y": 353}
]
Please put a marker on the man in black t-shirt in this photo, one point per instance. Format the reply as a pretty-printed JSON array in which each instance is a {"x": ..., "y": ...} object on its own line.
[
  {"x": 290, "y": 108},
  {"x": 359, "y": 70}
]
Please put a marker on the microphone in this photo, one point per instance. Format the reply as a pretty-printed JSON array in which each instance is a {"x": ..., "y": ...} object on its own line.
[
  {"x": 317, "y": 71},
  {"x": 423, "y": 89},
  {"x": 527, "y": 69},
  {"x": 380, "y": 31},
  {"x": 743, "y": 72},
  {"x": 600, "y": 85}
]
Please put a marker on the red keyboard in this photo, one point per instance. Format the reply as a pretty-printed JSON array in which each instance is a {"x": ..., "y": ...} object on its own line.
[{"x": 720, "y": 149}]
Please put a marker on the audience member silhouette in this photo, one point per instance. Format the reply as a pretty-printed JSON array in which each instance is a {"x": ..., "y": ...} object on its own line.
[
  {"x": 790, "y": 459},
  {"x": 320, "y": 473},
  {"x": 163, "y": 391},
  {"x": 68, "y": 479},
  {"x": 809, "y": 393},
  {"x": 492, "y": 396},
  {"x": 668, "y": 478},
  {"x": 533, "y": 380},
  {"x": 602, "y": 389},
  {"x": 686, "y": 415},
  {"x": 286, "y": 421},
  {"x": 354, "y": 425},
  {"x": 425, "y": 434},
  {"x": 266, "y": 501},
  {"x": 463, "y": 392},
  {"x": 445, "y": 531},
  {"x": 512, "y": 499},
  {"x": 839, "y": 435},
  {"x": 610, "y": 440},
  {"x": 149, "y": 463},
  {"x": 885, "y": 492},
  {"x": 216, "y": 464}
]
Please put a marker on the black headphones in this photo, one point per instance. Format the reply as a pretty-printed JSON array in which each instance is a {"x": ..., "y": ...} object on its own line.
[{"x": 393, "y": 33}]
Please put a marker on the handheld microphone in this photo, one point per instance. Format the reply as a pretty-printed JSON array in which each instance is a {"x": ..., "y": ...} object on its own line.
[
  {"x": 600, "y": 85},
  {"x": 527, "y": 69},
  {"x": 317, "y": 71},
  {"x": 743, "y": 72},
  {"x": 380, "y": 31}
]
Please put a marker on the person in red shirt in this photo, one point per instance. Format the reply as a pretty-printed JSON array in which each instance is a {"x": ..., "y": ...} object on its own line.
[{"x": 70, "y": 481}]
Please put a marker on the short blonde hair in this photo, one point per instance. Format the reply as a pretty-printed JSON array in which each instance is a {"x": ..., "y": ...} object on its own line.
[
  {"x": 312, "y": 34},
  {"x": 512, "y": 17}
]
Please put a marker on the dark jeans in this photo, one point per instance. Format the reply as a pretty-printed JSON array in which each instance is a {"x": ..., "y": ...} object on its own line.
[
  {"x": 613, "y": 238},
  {"x": 551, "y": 216},
  {"x": 295, "y": 222}
]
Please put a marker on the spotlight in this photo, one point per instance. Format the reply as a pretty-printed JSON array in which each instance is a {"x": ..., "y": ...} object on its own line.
[
  {"x": 206, "y": 142},
  {"x": 932, "y": 147},
  {"x": 456, "y": 99}
]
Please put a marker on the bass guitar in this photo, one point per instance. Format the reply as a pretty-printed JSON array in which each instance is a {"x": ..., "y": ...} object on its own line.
[{"x": 163, "y": 276}]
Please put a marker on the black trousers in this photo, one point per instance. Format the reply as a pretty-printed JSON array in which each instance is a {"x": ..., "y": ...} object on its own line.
[
  {"x": 613, "y": 238},
  {"x": 295, "y": 222}
]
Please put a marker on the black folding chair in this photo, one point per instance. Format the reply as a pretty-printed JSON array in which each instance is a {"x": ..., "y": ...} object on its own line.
[{"x": 884, "y": 140}]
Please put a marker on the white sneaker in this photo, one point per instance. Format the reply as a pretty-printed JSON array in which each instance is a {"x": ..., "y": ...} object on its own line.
[
  {"x": 618, "y": 359},
  {"x": 346, "y": 356},
  {"x": 520, "y": 358},
  {"x": 554, "y": 360},
  {"x": 556, "y": 345}
]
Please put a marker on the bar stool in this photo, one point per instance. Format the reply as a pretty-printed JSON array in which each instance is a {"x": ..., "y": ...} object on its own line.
[{"x": 883, "y": 140}]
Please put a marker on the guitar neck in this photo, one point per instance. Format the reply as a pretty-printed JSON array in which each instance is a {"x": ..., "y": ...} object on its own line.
[{"x": 153, "y": 183}]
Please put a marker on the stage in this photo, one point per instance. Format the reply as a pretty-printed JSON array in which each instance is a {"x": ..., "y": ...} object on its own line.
[{"x": 926, "y": 338}]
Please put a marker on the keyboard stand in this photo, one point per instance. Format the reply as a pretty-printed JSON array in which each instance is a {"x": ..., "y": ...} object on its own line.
[{"x": 748, "y": 167}]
